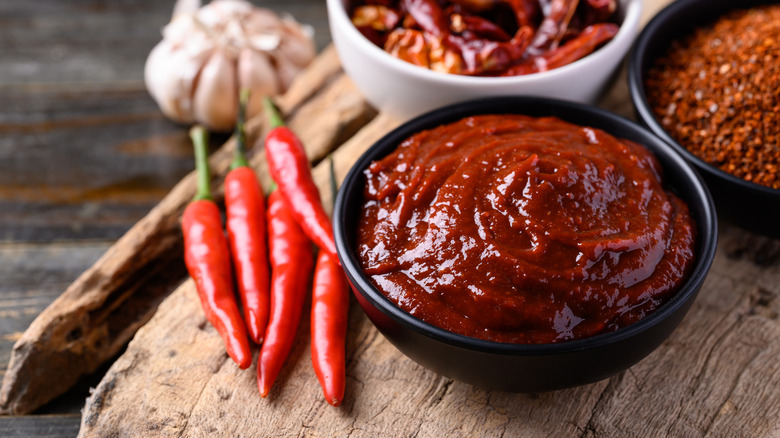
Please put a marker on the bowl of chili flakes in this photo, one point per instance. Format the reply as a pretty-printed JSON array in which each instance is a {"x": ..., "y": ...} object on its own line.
[
  {"x": 435, "y": 53},
  {"x": 703, "y": 75}
]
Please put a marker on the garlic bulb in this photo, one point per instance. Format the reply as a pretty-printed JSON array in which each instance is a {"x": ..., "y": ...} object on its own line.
[{"x": 209, "y": 53}]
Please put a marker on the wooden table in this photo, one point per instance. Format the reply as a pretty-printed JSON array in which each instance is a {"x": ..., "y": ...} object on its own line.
[{"x": 86, "y": 154}]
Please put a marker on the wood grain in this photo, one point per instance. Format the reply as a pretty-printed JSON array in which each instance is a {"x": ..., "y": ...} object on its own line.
[
  {"x": 40, "y": 426},
  {"x": 34, "y": 275}
]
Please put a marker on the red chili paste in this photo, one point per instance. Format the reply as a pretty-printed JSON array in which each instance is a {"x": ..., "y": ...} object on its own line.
[{"x": 524, "y": 230}]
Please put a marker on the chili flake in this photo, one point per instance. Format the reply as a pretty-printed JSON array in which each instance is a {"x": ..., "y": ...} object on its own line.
[{"x": 717, "y": 92}]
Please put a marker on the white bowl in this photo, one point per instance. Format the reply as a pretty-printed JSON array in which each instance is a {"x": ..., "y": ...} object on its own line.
[{"x": 404, "y": 90}]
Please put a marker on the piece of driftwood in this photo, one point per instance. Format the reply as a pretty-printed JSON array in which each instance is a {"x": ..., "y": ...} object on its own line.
[
  {"x": 98, "y": 314},
  {"x": 718, "y": 375}
]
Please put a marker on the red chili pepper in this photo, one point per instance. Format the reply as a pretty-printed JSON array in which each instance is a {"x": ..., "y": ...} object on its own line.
[
  {"x": 481, "y": 56},
  {"x": 207, "y": 258},
  {"x": 245, "y": 211},
  {"x": 329, "y": 308},
  {"x": 290, "y": 169},
  {"x": 329, "y": 305},
  {"x": 482, "y": 28},
  {"x": 584, "y": 44},
  {"x": 428, "y": 15},
  {"x": 291, "y": 263},
  {"x": 553, "y": 26},
  {"x": 525, "y": 11},
  {"x": 597, "y": 11}
]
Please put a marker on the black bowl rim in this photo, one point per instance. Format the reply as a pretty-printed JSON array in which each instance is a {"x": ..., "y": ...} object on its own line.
[
  {"x": 636, "y": 89},
  {"x": 707, "y": 232}
]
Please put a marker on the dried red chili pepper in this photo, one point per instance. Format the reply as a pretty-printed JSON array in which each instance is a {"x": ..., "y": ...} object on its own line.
[
  {"x": 374, "y": 21},
  {"x": 377, "y": 17},
  {"x": 329, "y": 308},
  {"x": 553, "y": 27},
  {"x": 289, "y": 167},
  {"x": 481, "y": 57},
  {"x": 580, "y": 46},
  {"x": 486, "y": 37},
  {"x": 245, "y": 211},
  {"x": 480, "y": 27},
  {"x": 291, "y": 263},
  {"x": 428, "y": 15},
  {"x": 525, "y": 11},
  {"x": 599, "y": 11},
  {"x": 574, "y": 49},
  {"x": 207, "y": 258},
  {"x": 409, "y": 45}
]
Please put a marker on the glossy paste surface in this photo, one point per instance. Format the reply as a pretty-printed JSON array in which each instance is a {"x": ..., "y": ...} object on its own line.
[{"x": 525, "y": 230}]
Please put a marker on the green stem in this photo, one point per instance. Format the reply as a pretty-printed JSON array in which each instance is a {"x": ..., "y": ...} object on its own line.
[
  {"x": 273, "y": 113},
  {"x": 334, "y": 186},
  {"x": 199, "y": 138},
  {"x": 239, "y": 159}
]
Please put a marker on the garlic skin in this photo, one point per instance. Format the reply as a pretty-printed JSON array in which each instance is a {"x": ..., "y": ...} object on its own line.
[{"x": 209, "y": 53}]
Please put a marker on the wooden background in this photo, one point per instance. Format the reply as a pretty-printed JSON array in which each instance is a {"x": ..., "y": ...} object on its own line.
[{"x": 85, "y": 153}]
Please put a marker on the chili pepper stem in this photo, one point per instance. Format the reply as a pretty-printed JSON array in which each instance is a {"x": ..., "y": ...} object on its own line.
[
  {"x": 273, "y": 114},
  {"x": 334, "y": 185},
  {"x": 199, "y": 138},
  {"x": 239, "y": 160}
]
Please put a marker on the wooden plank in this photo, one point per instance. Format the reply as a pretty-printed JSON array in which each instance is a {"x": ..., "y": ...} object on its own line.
[
  {"x": 96, "y": 42},
  {"x": 33, "y": 276},
  {"x": 82, "y": 146},
  {"x": 90, "y": 174}
]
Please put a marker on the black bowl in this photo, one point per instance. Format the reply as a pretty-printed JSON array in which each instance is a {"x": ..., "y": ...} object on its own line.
[
  {"x": 526, "y": 367},
  {"x": 746, "y": 204}
]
